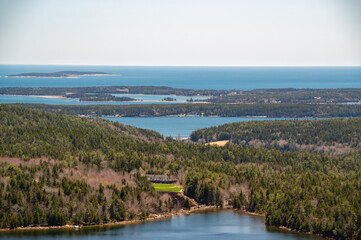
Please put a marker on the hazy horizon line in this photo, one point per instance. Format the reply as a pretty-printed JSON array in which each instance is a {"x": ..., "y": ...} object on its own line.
[{"x": 126, "y": 65}]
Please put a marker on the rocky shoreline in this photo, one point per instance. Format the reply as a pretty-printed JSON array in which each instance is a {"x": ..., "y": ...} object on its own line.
[{"x": 152, "y": 217}]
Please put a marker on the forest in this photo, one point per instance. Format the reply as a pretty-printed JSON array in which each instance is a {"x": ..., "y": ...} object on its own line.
[
  {"x": 99, "y": 97},
  {"x": 204, "y": 109},
  {"x": 291, "y": 95},
  {"x": 57, "y": 169},
  {"x": 284, "y": 95},
  {"x": 335, "y": 136},
  {"x": 153, "y": 90}
]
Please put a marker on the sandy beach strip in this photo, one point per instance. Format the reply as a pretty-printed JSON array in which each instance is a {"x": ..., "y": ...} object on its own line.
[{"x": 41, "y": 96}]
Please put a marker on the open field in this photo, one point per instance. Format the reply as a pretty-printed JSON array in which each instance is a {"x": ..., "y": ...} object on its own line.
[
  {"x": 219, "y": 143},
  {"x": 166, "y": 187}
]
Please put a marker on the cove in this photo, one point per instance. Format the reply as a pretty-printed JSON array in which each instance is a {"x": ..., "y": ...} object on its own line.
[
  {"x": 184, "y": 126},
  {"x": 214, "y": 224}
]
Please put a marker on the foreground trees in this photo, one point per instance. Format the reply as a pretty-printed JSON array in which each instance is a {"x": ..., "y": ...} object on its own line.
[{"x": 299, "y": 190}]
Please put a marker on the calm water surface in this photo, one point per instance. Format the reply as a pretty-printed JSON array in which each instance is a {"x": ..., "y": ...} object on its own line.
[
  {"x": 220, "y": 225},
  {"x": 172, "y": 126},
  {"x": 191, "y": 77}
]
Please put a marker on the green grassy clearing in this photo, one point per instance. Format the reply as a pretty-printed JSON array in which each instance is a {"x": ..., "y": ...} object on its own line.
[{"x": 166, "y": 187}]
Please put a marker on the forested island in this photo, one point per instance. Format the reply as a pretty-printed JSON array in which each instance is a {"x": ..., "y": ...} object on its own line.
[
  {"x": 99, "y": 97},
  {"x": 204, "y": 109},
  {"x": 284, "y": 95},
  {"x": 57, "y": 169},
  {"x": 60, "y": 74}
]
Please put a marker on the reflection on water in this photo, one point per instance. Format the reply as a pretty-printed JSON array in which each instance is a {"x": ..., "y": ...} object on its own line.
[{"x": 219, "y": 224}]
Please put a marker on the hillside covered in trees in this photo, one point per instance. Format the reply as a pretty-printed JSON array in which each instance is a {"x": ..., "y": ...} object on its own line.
[
  {"x": 199, "y": 109},
  {"x": 336, "y": 136},
  {"x": 58, "y": 169}
]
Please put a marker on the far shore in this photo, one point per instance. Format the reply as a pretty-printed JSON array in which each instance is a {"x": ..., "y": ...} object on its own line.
[
  {"x": 41, "y": 96},
  {"x": 39, "y": 77},
  {"x": 49, "y": 96},
  {"x": 137, "y": 99},
  {"x": 69, "y": 76}
]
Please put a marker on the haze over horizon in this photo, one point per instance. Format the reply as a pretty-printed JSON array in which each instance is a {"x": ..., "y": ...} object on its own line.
[{"x": 181, "y": 33}]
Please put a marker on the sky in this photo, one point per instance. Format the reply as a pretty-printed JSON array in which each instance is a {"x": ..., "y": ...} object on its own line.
[{"x": 181, "y": 32}]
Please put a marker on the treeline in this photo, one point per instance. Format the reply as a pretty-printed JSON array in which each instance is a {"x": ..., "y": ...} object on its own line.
[
  {"x": 99, "y": 97},
  {"x": 283, "y": 95},
  {"x": 153, "y": 90},
  {"x": 336, "y": 136},
  {"x": 300, "y": 190},
  {"x": 290, "y": 95},
  {"x": 221, "y": 110},
  {"x": 48, "y": 195}
]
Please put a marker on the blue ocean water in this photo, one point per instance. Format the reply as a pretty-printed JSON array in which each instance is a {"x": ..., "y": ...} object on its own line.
[
  {"x": 242, "y": 78},
  {"x": 180, "y": 77},
  {"x": 142, "y": 99}
]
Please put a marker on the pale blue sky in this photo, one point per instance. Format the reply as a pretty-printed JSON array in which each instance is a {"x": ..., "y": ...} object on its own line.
[{"x": 181, "y": 32}]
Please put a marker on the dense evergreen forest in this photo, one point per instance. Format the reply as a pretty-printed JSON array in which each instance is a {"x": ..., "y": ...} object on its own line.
[
  {"x": 198, "y": 109},
  {"x": 99, "y": 97},
  {"x": 291, "y": 95},
  {"x": 58, "y": 169},
  {"x": 336, "y": 136},
  {"x": 284, "y": 95}
]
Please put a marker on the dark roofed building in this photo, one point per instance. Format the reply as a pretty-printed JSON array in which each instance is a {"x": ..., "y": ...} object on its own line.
[{"x": 160, "y": 179}]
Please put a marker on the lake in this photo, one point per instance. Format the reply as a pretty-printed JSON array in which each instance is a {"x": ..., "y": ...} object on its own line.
[
  {"x": 226, "y": 78},
  {"x": 184, "y": 126},
  {"x": 223, "y": 224}
]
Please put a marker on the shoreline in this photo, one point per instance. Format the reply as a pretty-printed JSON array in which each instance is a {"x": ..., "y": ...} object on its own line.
[
  {"x": 130, "y": 101},
  {"x": 38, "y": 77},
  {"x": 68, "y": 76},
  {"x": 283, "y": 228},
  {"x": 158, "y": 217},
  {"x": 41, "y": 96},
  {"x": 152, "y": 217}
]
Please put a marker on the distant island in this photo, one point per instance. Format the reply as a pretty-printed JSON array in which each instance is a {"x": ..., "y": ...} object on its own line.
[
  {"x": 255, "y": 96},
  {"x": 61, "y": 74}
]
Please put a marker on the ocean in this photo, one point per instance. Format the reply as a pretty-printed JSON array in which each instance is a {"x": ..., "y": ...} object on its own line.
[{"x": 222, "y": 78}]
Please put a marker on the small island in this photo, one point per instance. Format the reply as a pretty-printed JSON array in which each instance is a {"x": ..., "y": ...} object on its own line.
[
  {"x": 61, "y": 74},
  {"x": 98, "y": 97},
  {"x": 169, "y": 99}
]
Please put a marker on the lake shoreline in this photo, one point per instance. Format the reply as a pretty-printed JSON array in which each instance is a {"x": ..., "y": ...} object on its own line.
[
  {"x": 158, "y": 217},
  {"x": 152, "y": 217},
  {"x": 297, "y": 231}
]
